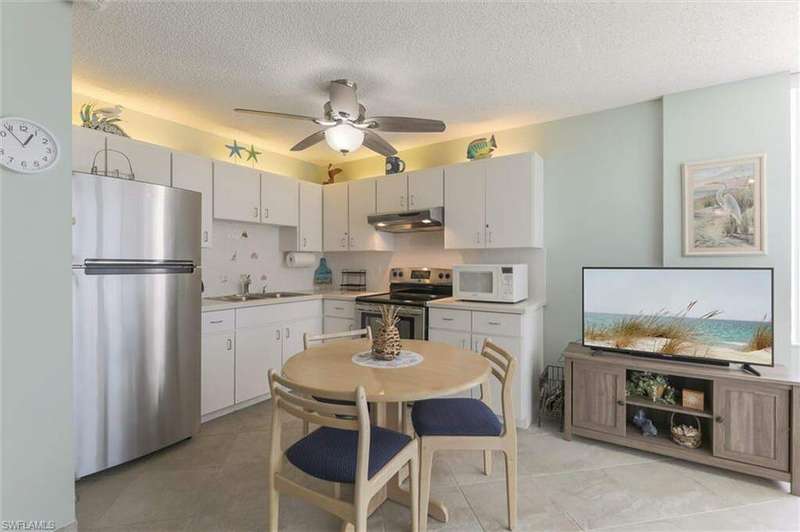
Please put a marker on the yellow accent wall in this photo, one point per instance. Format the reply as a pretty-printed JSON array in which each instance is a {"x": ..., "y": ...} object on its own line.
[{"x": 149, "y": 128}]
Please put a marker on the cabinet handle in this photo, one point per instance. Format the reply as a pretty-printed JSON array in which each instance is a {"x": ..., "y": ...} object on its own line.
[
  {"x": 305, "y": 242},
  {"x": 402, "y": 201},
  {"x": 338, "y": 308},
  {"x": 277, "y": 334},
  {"x": 620, "y": 402},
  {"x": 215, "y": 322},
  {"x": 411, "y": 200},
  {"x": 205, "y": 236},
  {"x": 477, "y": 237},
  {"x": 266, "y": 212},
  {"x": 255, "y": 212},
  {"x": 719, "y": 419},
  {"x": 494, "y": 323},
  {"x": 230, "y": 344},
  {"x": 489, "y": 237},
  {"x": 447, "y": 319},
  {"x": 288, "y": 333}
]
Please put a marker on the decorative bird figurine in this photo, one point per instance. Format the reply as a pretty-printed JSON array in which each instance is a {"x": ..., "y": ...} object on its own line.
[
  {"x": 104, "y": 119},
  {"x": 645, "y": 425},
  {"x": 481, "y": 148},
  {"x": 332, "y": 173}
]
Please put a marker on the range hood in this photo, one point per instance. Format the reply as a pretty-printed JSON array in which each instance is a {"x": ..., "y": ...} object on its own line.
[{"x": 409, "y": 222}]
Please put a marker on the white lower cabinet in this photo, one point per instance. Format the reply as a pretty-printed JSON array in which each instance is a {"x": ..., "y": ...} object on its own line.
[
  {"x": 257, "y": 351},
  {"x": 519, "y": 334},
  {"x": 339, "y": 316},
  {"x": 334, "y": 324},
  {"x": 293, "y": 335},
  {"x": 217, "y": 362}
]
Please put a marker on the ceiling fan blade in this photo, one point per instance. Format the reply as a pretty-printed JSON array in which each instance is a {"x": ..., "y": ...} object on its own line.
[
  {"x": 309, "y": 141},
  {"x": 276, "y": 115},
  {"x": 401, "y": 124},
  {"x": 376, "y": 143}
]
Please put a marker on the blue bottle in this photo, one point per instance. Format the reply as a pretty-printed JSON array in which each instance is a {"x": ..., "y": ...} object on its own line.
[{"x": 323, "y": 274}]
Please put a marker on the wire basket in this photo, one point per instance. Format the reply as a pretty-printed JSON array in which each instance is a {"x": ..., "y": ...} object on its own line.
[
  {"x": 551, "y": 394},
  {"x": 354, "y": 280}
]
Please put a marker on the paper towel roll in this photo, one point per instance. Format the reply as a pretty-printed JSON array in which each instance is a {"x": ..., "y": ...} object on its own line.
[{"x": 300, "y": 260}]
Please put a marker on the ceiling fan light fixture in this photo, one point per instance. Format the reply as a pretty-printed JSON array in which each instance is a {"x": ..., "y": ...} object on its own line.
[{"x": 344, "y": 138}]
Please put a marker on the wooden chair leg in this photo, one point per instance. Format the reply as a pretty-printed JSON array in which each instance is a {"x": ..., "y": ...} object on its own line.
[
  {"x": 511, "y": 487},
  {"x": 415, "y": 517},
  {"x": 305, "y": 428},
  {"x": 362, "y": 514},
  {"x": 337, "y": 490},
  {"x": 274, "y": 499},
  {"x": 487, "y": 463},
  {"x": 425, "y": 467}
]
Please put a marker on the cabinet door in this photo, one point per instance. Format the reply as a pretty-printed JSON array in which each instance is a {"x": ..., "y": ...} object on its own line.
[
  {"x": 310, "y": 230},
  {"x": 236, "y": 192},
  {"x": 361, "y": 203},
  {"x": 150, "y": 163},
  {"x": 598, "y": 398},
  {"x": 426, "y": 188},
  {"x": 464, "y": 206},
  {"x": 279, "y": 200},
  {"x": 509, "y": 201},
  {"x": 751, "y": 424},
  {"x": 456, "y": 339},
  {"x": 521, "y": 399},
  {"x": 293, "y": 335},
  {"x": 191, "y": 172},
  {"x": 334, "y": 216},
  {"x": 257, "y": 351},
  {"x": 217, "y": 378},
  {"x": 88, "y": 149},
  {"x": 392, "y": 193}
]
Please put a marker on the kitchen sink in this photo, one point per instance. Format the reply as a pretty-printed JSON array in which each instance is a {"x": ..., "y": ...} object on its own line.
[{"x": 256, "y": 296}]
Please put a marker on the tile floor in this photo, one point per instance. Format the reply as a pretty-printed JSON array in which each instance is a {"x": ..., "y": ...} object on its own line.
[{"x": 217, "y": 482}]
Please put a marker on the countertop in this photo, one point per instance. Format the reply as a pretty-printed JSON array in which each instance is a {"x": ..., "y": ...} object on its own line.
[
  {"x": 509, "y": 308},
  {"x": 339, "y": 295}
]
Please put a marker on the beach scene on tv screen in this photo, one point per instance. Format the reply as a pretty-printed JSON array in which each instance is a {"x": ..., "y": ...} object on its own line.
[{"x": 723, "y": 315}]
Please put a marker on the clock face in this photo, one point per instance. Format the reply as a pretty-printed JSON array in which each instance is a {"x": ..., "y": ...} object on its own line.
[{"x": 26, "y": 146}]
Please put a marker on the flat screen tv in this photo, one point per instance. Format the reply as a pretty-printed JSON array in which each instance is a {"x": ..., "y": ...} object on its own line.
[{"x": 711, "y": 315}]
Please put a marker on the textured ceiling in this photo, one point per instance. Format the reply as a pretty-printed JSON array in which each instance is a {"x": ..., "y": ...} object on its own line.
[{"x": 477, "y": 66}]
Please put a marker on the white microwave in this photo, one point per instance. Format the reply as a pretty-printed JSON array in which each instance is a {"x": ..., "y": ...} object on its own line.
[{"x": 499, "y": 283}]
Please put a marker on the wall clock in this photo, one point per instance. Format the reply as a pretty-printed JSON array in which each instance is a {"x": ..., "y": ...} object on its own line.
[{"x": 26, "y": 146}]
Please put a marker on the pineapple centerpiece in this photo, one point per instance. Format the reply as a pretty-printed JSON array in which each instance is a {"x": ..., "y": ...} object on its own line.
[{"x": 386, "y": 345}]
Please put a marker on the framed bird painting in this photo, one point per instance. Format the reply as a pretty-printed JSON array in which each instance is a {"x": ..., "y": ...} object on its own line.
[{"x": 724, "y": 207}]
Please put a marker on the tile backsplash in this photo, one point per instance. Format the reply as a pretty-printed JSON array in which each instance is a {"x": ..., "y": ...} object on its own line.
[{"x": 241, "y": 248}]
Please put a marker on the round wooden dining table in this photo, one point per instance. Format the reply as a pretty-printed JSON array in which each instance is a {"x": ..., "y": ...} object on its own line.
[{"x": 444, "y": 370}]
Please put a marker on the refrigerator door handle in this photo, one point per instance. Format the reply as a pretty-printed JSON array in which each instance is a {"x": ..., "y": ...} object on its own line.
[{"x": 136, "y": 266}]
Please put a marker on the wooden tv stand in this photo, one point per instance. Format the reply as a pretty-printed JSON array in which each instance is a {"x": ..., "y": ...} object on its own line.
[{"x": 750, "y": 424}]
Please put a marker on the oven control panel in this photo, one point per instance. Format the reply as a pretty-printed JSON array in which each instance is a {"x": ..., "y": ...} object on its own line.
[{"x": 421, "y": 275}]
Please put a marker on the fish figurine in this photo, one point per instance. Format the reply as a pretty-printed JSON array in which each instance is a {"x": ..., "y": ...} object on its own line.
[
  {"x": 481, "y": 148},
  {"x": 105, "y": 119}
]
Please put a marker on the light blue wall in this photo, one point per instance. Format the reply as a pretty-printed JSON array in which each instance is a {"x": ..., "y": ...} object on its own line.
[
  {"x": 35, "y": 279},
  {"x": 741, "y": 118}
]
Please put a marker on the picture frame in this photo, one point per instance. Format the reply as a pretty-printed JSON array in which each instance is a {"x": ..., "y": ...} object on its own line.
[{"x": 724, "y": 206}]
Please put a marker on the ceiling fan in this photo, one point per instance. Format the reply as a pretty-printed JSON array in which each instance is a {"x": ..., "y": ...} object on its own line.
[{"x": 346, "y": 126}]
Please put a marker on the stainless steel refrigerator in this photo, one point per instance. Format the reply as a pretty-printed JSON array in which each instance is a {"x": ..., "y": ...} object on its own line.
[{"x": 136, "y": 318}]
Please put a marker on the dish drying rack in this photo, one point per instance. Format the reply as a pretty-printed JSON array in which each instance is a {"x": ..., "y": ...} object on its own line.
[{"x": 354, "y": 280}]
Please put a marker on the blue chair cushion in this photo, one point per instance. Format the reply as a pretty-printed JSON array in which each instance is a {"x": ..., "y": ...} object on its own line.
[
  {"x": 454, "y": 416},
  {"x": 330, "y": 454}
]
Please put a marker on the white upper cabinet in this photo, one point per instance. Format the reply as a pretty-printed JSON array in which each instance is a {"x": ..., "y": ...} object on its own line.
[
  {"x": 148, "y": 163},
  {"x": 361, "y": 201},
  {"x": 310, "y": 227},
  {"x": 279, "y": 200},
  {"x": 426, "y": 188},
  {"x": 88, "y": 148},
  {"x": 236, "y": 193},
  {"x": 191, "y": 172},
  {"x": 334, "y": 217},
  {"x": 513, "y": 202},
  {"x": 392, "y": 193},
  {"x": 464, "y": 197},
  {"x": 422, "y": 189},
  {"x": 495, "y": 203}
]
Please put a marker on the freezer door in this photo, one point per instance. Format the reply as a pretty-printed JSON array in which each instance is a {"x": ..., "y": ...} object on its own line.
[
  {"x": 121, "y": 219},
  {"x": 136, "y": 342}
]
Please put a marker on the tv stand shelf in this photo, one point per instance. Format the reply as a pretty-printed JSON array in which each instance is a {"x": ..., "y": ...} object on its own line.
[{"x": 750, "y": 424}]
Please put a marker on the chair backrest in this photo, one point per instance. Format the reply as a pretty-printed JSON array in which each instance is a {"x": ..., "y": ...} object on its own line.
[
  {"x": 503, "y": 367},
  {"x": 299, "y": 401},
  {"x": 357, "y": 333}
]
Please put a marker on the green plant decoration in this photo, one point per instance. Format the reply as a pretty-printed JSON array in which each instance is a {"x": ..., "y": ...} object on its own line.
[
  {"x": 653, "y": 386},
  {"x": 105, "y": 119}
]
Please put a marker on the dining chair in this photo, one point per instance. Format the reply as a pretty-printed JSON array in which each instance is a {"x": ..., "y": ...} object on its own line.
[
  {"x": 343, "y": 450},
  {"x": 470, "y": 424},
  {"x": 319, "y": 338}
]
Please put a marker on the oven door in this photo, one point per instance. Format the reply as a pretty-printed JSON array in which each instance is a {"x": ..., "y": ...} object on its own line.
[{"x": 411, "y": 320}]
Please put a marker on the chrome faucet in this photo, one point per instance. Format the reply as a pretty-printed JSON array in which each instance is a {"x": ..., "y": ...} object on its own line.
[{"x": 244, "y": 284}]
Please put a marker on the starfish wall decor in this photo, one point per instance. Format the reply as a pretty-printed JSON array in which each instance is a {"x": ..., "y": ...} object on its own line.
[
  {"x": 252, "y": 153},
  {"x": 236, "y": 150}
]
